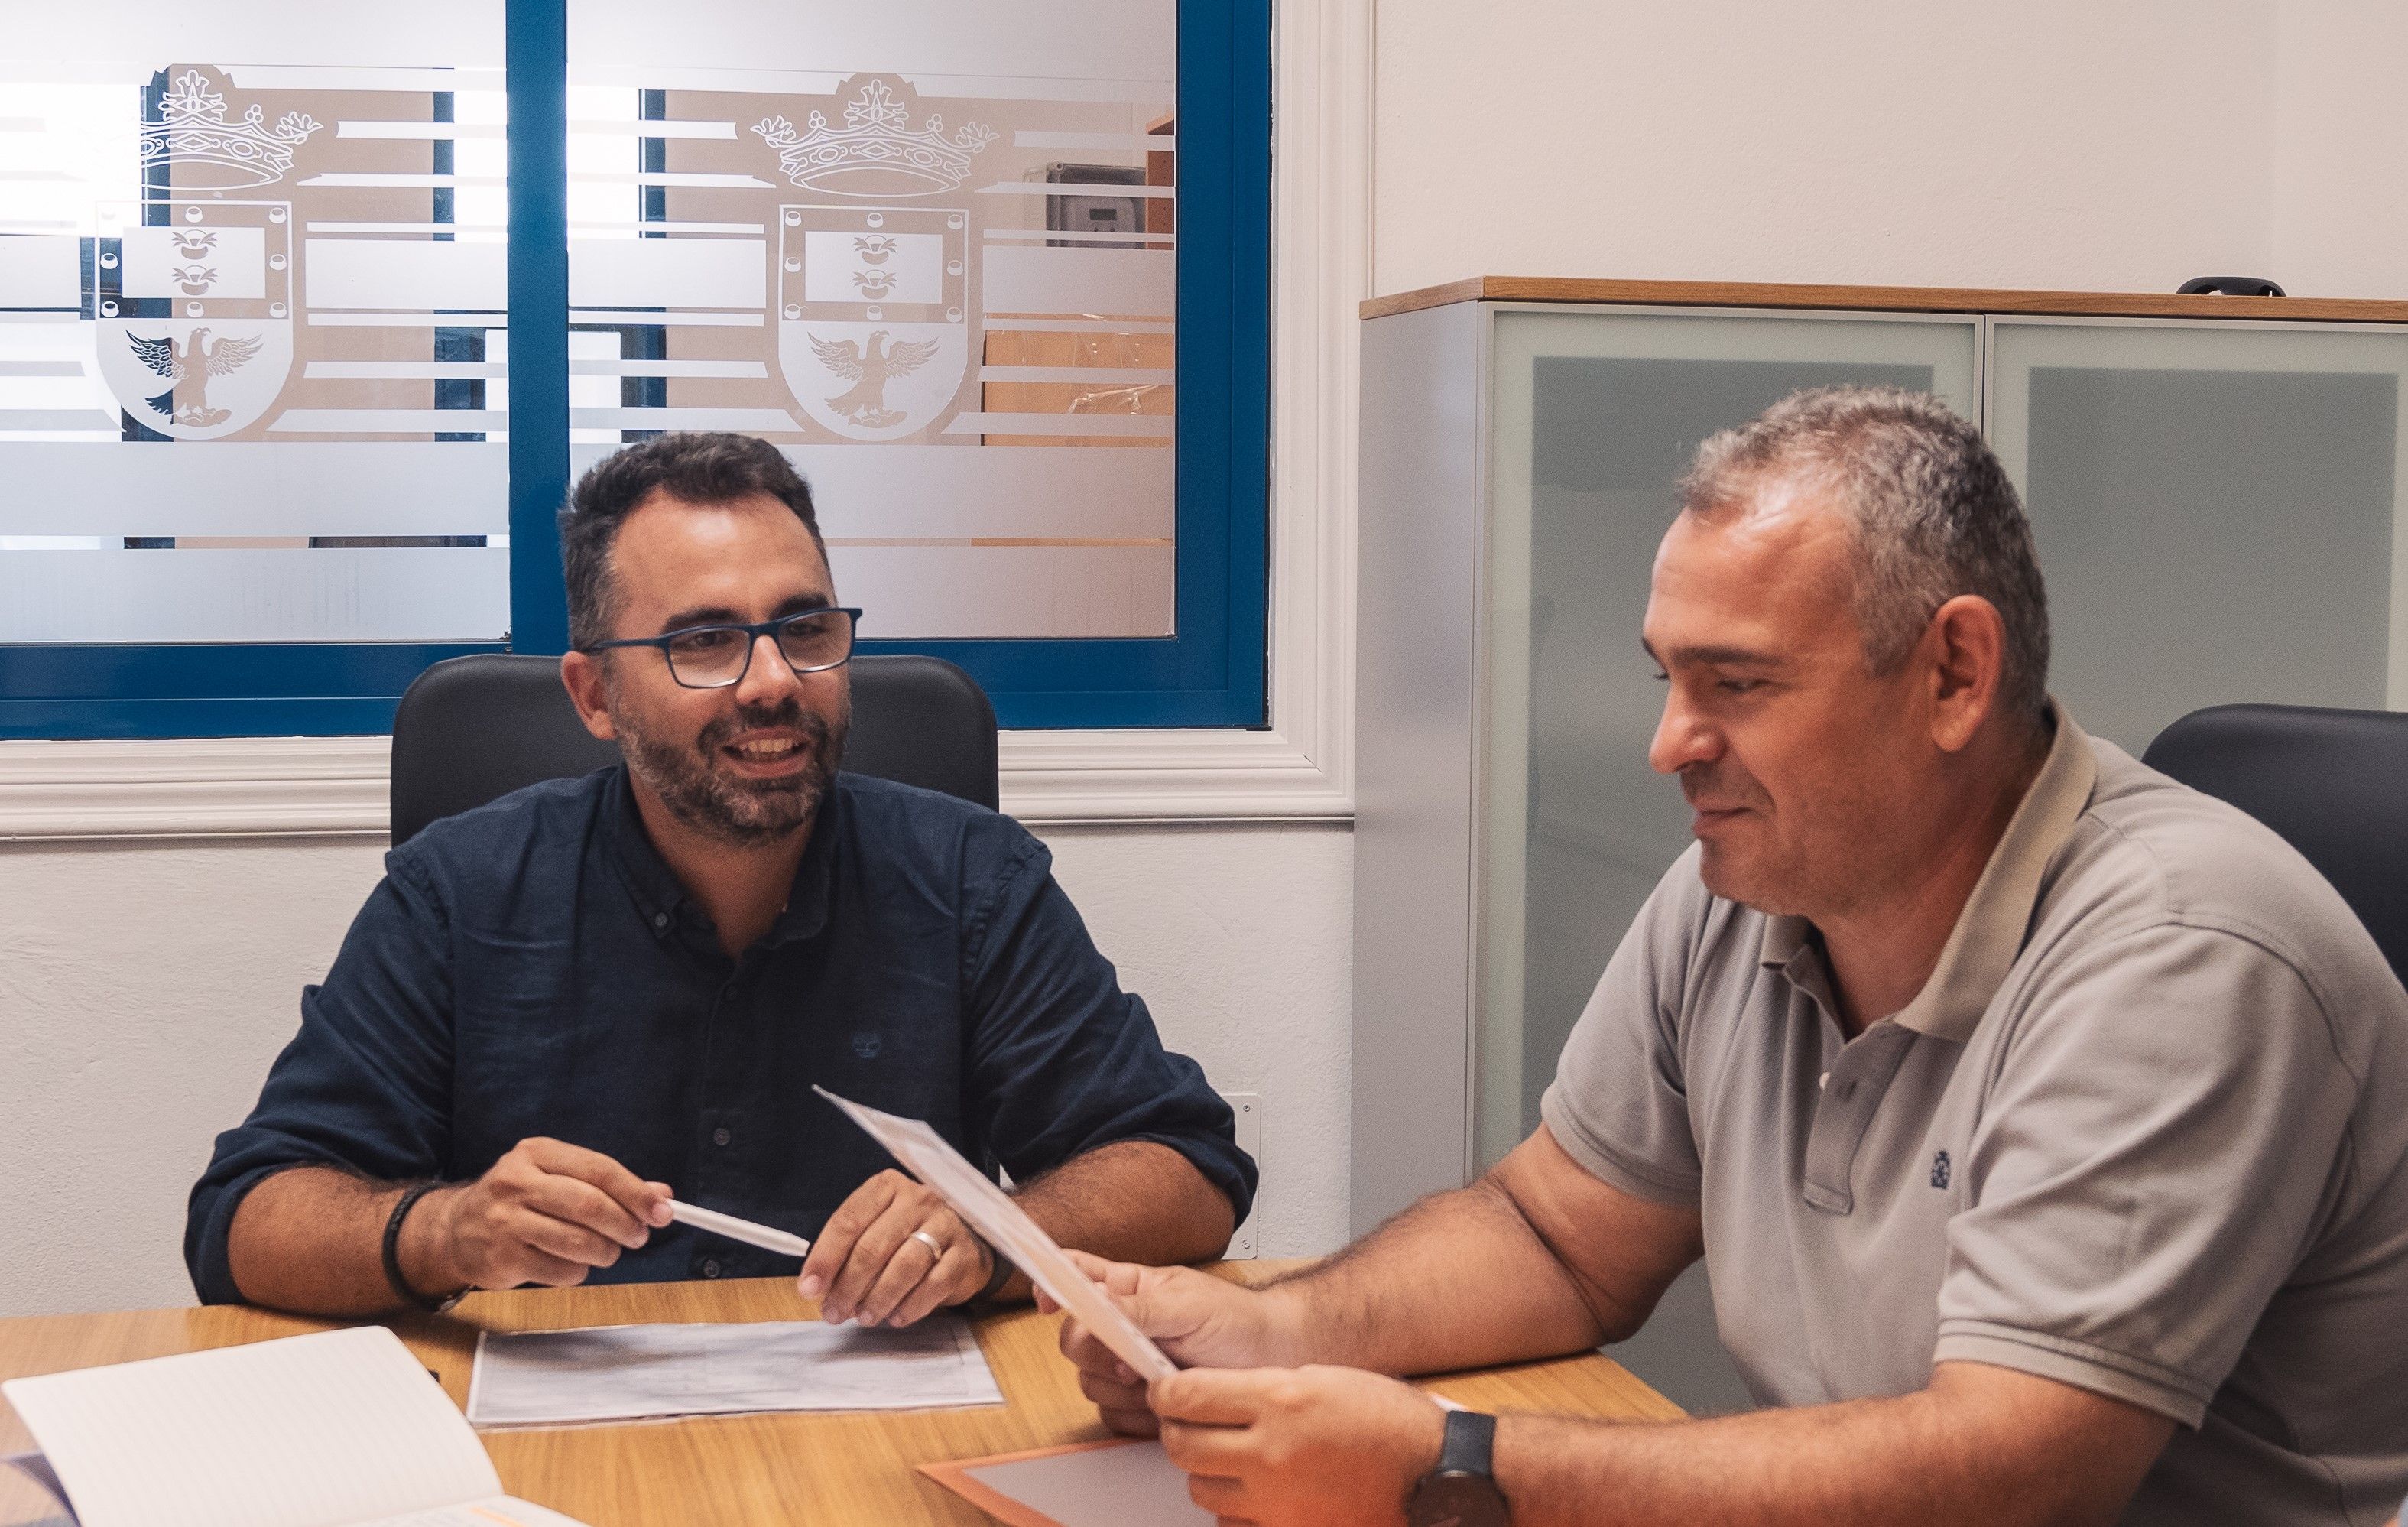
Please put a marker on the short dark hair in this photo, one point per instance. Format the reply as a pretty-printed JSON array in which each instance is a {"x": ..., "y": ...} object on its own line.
[
  {"x": 1934, "y": 515},
  {"x": 700, "y": 467}
]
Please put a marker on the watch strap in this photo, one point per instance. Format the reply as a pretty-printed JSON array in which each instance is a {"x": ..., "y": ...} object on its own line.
[
  {"x": 432, "y": 1304},
  {"x": 997, "y": 1277},
  {"x": 1470, "y": 1444}
]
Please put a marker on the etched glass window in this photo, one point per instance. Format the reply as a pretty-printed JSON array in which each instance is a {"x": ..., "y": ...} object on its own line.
[
  {"x": 928, "y": 250},
  {"x": 252, "y": 292}
]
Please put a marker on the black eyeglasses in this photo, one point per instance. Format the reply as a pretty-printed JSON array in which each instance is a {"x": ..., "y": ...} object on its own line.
[{"x": 715, "y": 656}]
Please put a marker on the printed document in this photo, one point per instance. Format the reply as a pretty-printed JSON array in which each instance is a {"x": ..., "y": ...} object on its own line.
[
  {"x": 636, "y": 1373},
  {"x": 341, "y": 1429}
]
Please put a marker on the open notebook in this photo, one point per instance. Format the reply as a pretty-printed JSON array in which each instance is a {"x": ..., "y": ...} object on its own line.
[{"x": 343, "y": 1429}]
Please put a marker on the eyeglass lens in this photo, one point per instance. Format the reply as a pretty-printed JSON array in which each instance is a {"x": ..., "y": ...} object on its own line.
[{"x": 715, "y": 656}]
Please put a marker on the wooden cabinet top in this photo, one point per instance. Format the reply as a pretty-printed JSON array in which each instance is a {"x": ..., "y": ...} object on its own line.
[{"x": 1934, "y": 299}]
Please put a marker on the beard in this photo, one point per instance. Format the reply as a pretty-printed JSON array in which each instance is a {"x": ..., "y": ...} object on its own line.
[{"x": 729, "y": 810}]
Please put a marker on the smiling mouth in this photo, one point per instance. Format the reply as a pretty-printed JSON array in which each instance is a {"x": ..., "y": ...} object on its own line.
[{"x": 767, "y": 757}]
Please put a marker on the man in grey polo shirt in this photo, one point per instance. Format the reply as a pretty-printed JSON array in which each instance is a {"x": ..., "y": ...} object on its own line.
[{"x": 2044, "y": 1123}]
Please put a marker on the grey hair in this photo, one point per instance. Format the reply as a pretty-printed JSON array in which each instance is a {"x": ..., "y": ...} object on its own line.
[{"x": 1933, "y": 513}]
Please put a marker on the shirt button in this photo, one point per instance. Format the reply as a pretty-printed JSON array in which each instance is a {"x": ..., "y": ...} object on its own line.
[
  {"x": 660, "y": 919},
  {"x": 1825, "y": 1081},
  {"x": 710, "y": 1268},
  {"x": 720, "y": 1137}
]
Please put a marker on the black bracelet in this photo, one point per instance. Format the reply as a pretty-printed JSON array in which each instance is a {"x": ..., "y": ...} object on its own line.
[{"x": 408, "y": 1200}]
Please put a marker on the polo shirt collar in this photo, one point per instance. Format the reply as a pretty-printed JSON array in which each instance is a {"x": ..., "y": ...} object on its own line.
[
  {"x": 1990, "y": 931},
  {"x": 658, "y": 892}
]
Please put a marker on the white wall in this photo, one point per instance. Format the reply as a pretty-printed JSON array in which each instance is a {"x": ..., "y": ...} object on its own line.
[
  {"x": 2340, "y": 191},
  {"x": 2050, "y": 143},
  {"x": 145, "y": 989}
]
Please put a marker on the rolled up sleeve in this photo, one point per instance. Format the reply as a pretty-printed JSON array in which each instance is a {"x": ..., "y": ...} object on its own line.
[
  {"x": 2165, "y": 1138},
  {"x": 1619, "y": 1104},
  {"x": 1061, "y": 1060},
  {"x": 364, "y": 1087}
]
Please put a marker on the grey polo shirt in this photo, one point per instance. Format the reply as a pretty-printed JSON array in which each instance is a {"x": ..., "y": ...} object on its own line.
[{"x": 2145, "y": 1131}]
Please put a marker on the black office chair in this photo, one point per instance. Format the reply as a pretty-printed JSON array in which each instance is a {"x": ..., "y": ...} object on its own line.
[
  {"x": 472, "y": 729},
  {"x": 2334, "y": 784}
]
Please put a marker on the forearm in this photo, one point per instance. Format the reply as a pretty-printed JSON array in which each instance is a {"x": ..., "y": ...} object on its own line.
[
  {"x": 1994, "y": 1460},
  {"x": 1135, "y": 1201},
  {"x": 312, "y": 1239},
  {"x": 1459, "y": 1280}
]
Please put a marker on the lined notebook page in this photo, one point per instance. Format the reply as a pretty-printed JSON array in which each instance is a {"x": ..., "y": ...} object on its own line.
[{"x": 320, "y": 1430}]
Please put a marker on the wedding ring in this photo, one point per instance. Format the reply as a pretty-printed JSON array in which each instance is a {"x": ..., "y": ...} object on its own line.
[{"x": 935, "y": 1249}]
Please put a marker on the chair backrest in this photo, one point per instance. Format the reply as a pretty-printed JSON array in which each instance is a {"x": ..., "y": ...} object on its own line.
[
  {"x": 2334, "y": 784},
  {"x": 472, "y": 729}
]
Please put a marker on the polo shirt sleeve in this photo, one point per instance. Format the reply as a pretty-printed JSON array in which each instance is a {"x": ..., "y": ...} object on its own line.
[
  {"x": 365, "y": 1086},
  {"x": 1619, "y": 1104},
  {"x": 2167, "y": 1134},
  {"x": 1061, "y": 1061}
]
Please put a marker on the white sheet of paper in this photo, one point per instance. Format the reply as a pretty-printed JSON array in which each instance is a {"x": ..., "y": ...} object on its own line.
[
  {"x": 928, "y": 1156},
  {"x": 1135, "y": 1486},
  {"x": 331, "y": 1430},
  {"x": 501, "y": 1511},
  {"x": 635, "y": 1373}
]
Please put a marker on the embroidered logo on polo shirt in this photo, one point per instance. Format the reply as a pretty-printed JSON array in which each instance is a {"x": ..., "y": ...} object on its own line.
[
  {"x": 1940, "y": 1170},
  {"x": 867, "y": 1043}
]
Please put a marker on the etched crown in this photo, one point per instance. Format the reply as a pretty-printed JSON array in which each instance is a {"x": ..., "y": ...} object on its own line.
[
  {"x": 877, "y": 145},
  {"x": 212, "y": 154}
]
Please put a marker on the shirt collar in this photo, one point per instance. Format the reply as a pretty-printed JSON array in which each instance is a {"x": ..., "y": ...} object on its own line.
[
  {"x": 1990, "y": 931},
  {"x": 662, "y": 899}
]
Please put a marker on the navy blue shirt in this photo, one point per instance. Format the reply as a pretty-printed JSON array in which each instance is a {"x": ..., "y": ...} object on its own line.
[{"x": 534, "y": 968}]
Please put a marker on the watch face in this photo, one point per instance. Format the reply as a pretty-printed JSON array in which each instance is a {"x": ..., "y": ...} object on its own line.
[{"x": 1459, "y": 1499}]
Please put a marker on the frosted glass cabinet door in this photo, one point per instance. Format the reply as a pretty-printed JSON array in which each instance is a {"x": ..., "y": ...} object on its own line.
[
  {"x": 1595, "y": 415},
  {"x": 2216, "y": 509}
]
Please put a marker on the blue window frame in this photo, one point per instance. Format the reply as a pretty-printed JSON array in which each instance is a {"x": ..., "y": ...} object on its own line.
[{"x": 1211, "y": 673}]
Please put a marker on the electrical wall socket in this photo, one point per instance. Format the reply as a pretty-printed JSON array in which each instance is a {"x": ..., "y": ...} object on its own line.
[{"x": 1248, "y": 1107}]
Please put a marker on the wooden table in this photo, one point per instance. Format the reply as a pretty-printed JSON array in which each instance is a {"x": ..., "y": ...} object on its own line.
[{"x": 824, "y": 1468}]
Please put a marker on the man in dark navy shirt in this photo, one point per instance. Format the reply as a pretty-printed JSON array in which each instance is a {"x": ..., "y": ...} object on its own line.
[{"x": 561, "y": 1009}]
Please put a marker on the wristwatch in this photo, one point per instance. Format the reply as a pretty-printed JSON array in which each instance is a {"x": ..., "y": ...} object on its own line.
[{"x": 1460, "y": 1491}]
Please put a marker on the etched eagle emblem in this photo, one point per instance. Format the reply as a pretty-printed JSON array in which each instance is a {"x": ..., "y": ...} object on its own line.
[
  {"x": 188, "y": 367},
  {"x": 864, "y": 403}
]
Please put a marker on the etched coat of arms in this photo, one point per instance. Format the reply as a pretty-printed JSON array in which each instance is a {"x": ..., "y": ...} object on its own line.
[
  {"x": 874, "y": 300},
  {"x": 878, "y": 151},
  {"x": 212, "y": 153},
  {"x": 195, "y": 331},
  {"x": 873, "y": 332}
]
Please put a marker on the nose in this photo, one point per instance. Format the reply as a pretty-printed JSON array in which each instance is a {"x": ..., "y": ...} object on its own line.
[
  {"x": 1683, "y": 737},
  {"x": 769, "y": 677}
]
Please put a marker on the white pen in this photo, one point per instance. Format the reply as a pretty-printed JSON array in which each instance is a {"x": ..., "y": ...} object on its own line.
[{"x": 739, "y": 1229}]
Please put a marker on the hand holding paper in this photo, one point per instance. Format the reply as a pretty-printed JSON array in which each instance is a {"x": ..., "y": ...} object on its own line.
[
  {"x": 1200, "y": 1321},
  {"x": 1007, "y": 1227}
]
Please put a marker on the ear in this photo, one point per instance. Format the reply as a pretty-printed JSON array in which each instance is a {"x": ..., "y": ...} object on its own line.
[
  {"x": 581, "y": 674},
  {"x": 1967, "y": 648}
]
